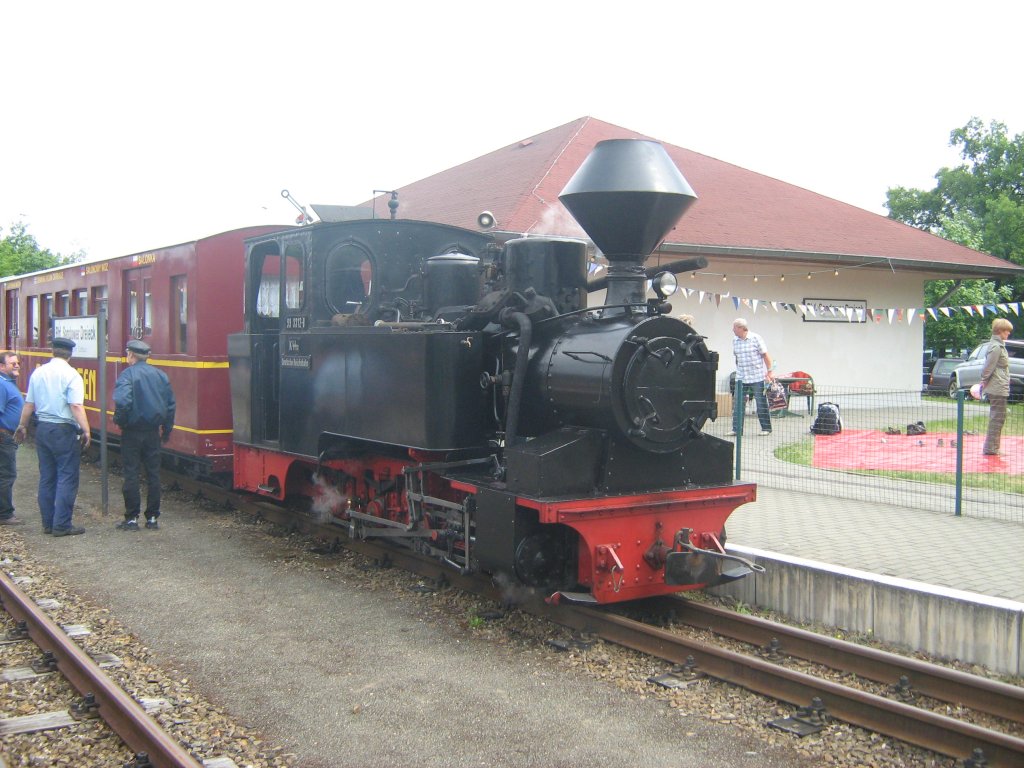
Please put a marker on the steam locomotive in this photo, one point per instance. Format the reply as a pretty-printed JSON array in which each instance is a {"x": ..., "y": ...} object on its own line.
[{"x": 454, "y": 393}]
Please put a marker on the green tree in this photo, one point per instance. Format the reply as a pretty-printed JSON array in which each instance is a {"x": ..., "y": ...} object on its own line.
[
  {"x": 20, "y": 253},
  {"x": 980, "y": 204},
  {"x": 948, "y": 335}
]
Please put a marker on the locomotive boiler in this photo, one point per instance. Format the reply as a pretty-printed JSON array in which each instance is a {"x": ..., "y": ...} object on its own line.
[{"x": 455, "y": 393}]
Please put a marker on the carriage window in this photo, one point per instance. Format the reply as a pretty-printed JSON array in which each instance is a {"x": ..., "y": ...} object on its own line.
[
  {"x": 349, "y": 278},
  {"x": 293, "y": 290},
  {"x": 147, "y": 305},
  {"x": 268, "y": 297},
  {"x": 133, "y": 310},
  {"x": 46, "y": 316},
  {"x": 33, "y": 321},
  {"x": 82, "y": 301},
  {"x": 99, "y": 300},
  {"x": 179, "y": 318},
  {"x": 63, "y": 308},
  {"x": 13, "y": 331}
]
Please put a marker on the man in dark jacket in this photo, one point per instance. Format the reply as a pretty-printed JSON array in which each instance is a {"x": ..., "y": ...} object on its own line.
[{"x": 144, "y": 410}]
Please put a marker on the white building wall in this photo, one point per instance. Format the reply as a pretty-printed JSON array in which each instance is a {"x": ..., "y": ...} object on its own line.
[{"x": 864, "y": 355}]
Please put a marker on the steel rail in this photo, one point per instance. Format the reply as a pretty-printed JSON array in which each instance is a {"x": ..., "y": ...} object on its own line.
[
  {"x": 948, "y": 685},
  {"x": 124, "y": 716},
  {"x": 923, "y": 728}
]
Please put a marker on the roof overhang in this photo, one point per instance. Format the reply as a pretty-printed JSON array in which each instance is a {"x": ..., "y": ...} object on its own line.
[{"x": 843, "y": 259}]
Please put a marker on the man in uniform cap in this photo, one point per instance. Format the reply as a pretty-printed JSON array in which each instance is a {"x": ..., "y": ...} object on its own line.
[
  {"x": 56, "y": 395},
  {"x": 144, "y": 410}
]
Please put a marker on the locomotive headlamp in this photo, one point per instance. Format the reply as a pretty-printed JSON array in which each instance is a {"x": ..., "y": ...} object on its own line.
[
  {"x": 485, "y": 220},
  {"x": 664, "y": 284}
]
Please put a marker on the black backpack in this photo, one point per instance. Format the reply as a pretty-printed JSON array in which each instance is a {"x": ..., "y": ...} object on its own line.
[{"x": 827, "y": 421}]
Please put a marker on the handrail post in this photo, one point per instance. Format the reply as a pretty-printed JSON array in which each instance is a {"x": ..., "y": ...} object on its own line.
[
  {"x": 959, "y": 451},
  {"x": 738, "y": 407}
]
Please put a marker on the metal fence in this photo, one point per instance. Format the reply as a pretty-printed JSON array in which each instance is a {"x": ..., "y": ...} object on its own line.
[{"x": 874, "y": 458}]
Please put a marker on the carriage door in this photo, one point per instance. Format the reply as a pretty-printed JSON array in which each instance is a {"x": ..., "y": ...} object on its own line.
[
  {"x": 138, "y": 311},
  {"x": 11, "y": 319}
]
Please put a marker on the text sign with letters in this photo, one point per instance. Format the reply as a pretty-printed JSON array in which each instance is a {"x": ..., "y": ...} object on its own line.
[
  {"x": 835, "y": 310},
  {"x": 84, "y": 331}
]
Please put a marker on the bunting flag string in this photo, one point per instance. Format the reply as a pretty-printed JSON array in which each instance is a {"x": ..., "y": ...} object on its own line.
[{"x": 818, "y": 310}]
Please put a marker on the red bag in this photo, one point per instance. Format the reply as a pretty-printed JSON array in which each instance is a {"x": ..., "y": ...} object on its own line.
[{"x": 800, "y": 387}]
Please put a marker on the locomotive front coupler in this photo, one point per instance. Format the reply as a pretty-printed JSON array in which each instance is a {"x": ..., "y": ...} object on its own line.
[{"x": 688, "y": 564}]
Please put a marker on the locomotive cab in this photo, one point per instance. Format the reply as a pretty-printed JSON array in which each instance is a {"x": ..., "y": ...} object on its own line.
[{"x": 329, "y": 344}]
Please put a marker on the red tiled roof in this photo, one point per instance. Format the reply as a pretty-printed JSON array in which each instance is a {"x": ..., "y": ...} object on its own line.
[{"x": 738, "y": 212}]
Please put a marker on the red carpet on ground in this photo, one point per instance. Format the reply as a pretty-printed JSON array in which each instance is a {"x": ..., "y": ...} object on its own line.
[{"x": 872, "y": 449}]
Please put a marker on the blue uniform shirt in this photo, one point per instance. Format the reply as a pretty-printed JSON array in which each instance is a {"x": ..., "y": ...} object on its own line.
[
  {"x": 11, "y": 403},
  {"x": 52, "y": 388}
]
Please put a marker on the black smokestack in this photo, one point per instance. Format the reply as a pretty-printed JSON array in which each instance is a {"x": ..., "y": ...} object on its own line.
[{"x": 627, "y": 195}]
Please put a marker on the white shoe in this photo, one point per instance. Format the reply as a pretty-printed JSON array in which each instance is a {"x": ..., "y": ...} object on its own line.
[
  {"x": 765, "y": 432},
  {"x": 730, "y": 434}
]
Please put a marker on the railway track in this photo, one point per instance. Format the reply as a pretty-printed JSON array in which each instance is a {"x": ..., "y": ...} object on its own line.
[
  {"x": 907, "y": 677},
  {"x": 100, "y": 696},
  {"x": 816, "y": 698}
]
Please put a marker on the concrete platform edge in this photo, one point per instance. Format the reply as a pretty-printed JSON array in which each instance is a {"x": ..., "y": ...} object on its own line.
[{"x": 943, "y": 622}]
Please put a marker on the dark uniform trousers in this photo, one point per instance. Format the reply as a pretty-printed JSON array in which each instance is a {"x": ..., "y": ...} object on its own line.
[
  {"x": 141, "y": 446},
  {"x": 8, "y": 472},
  {"x": 60, "y": 455}
]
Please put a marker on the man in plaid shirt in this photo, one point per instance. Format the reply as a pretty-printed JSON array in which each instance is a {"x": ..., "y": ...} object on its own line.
[{"x": 753, "y": 368}]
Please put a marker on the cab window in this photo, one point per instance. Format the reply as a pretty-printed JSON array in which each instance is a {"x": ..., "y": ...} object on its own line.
[
  {"x": 294, "y": 283},
  {"x": 348, "y": 278}
]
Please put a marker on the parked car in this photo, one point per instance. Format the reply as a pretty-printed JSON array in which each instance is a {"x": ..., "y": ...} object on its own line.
[
  {"x": 968, "y": 373},
  {"x": 939, "y": 376},
  {"x": 930, "y": 356}
]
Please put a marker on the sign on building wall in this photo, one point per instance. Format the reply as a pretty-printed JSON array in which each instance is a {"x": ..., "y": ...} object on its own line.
[{"x": 835, "y": 311}]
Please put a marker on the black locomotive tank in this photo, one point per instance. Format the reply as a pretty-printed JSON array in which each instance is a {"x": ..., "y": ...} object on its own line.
[{"x": 650, "y": 381}]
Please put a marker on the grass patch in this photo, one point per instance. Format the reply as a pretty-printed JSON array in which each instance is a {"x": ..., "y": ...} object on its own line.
[
  {"x": 800, "y": 452},
  {"x": 989, "y": 481}
]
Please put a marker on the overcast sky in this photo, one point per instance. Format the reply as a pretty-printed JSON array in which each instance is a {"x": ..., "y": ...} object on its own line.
[{"x": 127, "y": 126}]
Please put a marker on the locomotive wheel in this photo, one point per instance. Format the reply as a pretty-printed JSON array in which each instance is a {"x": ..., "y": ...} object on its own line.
[{"x": 540, "y": 561}]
